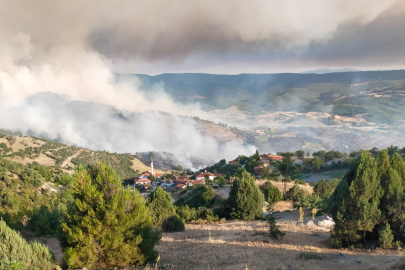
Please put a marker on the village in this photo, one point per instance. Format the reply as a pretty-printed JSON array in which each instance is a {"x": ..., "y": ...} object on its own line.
[{"x": 173, "y": 181}]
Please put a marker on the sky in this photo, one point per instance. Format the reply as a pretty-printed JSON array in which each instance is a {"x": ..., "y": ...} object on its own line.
[{"x": 226, "y": 37}]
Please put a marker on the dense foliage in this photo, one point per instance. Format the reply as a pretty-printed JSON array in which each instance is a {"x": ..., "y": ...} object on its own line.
[
  {"x": 271, "y": 193},
  {"x": 14, "y": 249},
  {"x": 160, "y": 206},
  {"x": 121, "y": 163},
  {"x": 107, "y": 226},
  {"x": 245, "y": 198},
  {"x": 369, "y": 200},
  {"x": 200, "y": 196},
  {"x": 173, "y": 224}
]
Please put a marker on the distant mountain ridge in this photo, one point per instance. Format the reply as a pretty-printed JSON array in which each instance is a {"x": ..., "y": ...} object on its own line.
[{"x": 328, "y": 70}]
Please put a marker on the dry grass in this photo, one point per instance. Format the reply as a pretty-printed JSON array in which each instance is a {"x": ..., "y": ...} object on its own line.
[
  {"x": 42, "y": 159},
  {"x": 138, "y": 165},
  {"x": 280, "y": 185},
  {"x": 22, "y": 143},
  {"x": 235, "y": 244}
]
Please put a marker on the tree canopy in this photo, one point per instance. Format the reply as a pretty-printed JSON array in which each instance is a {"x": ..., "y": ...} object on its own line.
[{"x": 107, "y": 226}]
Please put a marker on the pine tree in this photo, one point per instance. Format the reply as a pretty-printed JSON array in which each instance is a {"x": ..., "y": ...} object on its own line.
[
  {"x": 354, "y": 205},
  {"x": 386, "y": 239},
  {"x": 160, "y": 206},
  {"x": 14, "y": 250},
  {"x": 322, "y": 187},
  {"x": 108, "y": 226},
  {"x": 245, "y": 198}
]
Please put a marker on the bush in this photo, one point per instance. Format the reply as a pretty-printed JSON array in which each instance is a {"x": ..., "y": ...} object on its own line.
[
  {"x": 207, "y": 214},
  {"x": 186, "y": 213},
  {"x": 15, "y": 252},
  {"x": 107, "y": 226},
  {"x": 173, "y": 224},
  {"x": 271, "y": 193},
  {"x": 312, "y": 256},
  {"x": 275, "y": 232}
]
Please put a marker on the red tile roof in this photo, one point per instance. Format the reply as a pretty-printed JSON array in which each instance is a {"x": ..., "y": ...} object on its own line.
[{"x": 276, "y": 158}]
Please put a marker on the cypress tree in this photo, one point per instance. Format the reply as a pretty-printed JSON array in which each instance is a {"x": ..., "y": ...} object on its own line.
[
  {"x": 355, "y": 202},
  {"x": 107, "y": 226},
  {"x": 245, "y": 198},
  {"x": 160, "y": 206}
]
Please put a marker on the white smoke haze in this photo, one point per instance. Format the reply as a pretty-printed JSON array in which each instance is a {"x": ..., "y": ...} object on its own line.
[{"x": 71, "y": 48}]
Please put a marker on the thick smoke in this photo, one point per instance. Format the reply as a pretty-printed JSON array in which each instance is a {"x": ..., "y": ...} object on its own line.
[
  {"x": 211, "y": 36},
  {"x": 45, "y": 50}
]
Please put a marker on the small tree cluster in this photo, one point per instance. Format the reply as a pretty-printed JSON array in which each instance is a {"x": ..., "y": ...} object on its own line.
[
  {"x": 368, "y": 203},
  {"x": 271, "y": 193}
]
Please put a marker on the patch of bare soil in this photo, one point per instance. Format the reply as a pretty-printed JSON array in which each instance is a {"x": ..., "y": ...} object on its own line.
[{"x": 237, "y": 244}]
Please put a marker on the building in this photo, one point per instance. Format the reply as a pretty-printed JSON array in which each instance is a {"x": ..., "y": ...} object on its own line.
[
  {"x": 275, "y": 158},
  {"x": 142, "y": 181},
  {"x": 202, "y": 176}
]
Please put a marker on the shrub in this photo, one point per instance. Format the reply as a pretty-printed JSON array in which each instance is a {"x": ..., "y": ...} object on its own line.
[
  {"x": 173, "y": 224},
  {"x": 186, "y": 213},
  {"x": 15, "y": 252},
  {"x": 207, "y": 214},
  {"x": 386, "y": 238},
  {"x": 275, "y": 232},
  {"x": 271, "y": 193},
  {"x": 107, "y": 226},
  {"x": 312, "y": 256}
]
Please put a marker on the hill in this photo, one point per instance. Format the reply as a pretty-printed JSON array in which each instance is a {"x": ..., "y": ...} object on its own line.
[{"x": 28, "y": 150}]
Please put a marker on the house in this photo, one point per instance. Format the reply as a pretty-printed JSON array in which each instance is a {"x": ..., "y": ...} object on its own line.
[
  {"x": 181, "y": 186},
  {"x": 266, "y": 163},
  {"x": 142, "y": 181},
  {"x": 145, "y": 175},
  {"x": 257, "y": 169},
  {"x": 201, "y": 176},
  {"x": 275, "y": 158},
  {"x": 233, "y": 162},
  {"x": 195, "y": 182},
  {"x": 181, "y": 180},
  {"x": 158, "y": 176}
]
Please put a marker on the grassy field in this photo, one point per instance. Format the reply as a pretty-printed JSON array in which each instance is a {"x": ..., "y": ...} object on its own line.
[
  {"x": 315, "y": 177},
  {"x": 240, "y": 244},
  {"x": 261, "y": 138}
]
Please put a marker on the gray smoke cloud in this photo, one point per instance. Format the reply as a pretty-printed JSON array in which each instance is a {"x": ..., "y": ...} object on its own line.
[
  {"x": 71, "y": 48},
  {"x": 212, "y": 36}
]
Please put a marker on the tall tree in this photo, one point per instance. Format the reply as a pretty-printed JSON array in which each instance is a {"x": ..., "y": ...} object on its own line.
[
  {"x": 160, "y": 206},
  {"x": 108, "y": 226},
  {"x": 355, "y": 202},
  {"x": 245, "y": 198}
]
